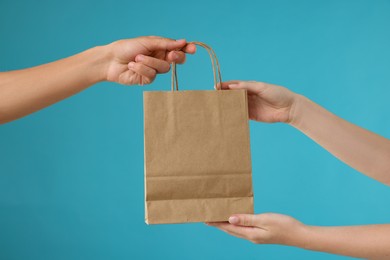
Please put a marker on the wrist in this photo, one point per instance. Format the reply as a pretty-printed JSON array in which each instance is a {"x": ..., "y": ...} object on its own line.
[
  {"x": 297, "y": 111},
  {"x": 296, "y": 237},
  {"x": 299, "y": 237},
  {"x": 98, "y": 61}
]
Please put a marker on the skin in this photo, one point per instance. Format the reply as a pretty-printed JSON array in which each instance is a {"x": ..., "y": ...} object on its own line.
[
  {"x": 128, "y": 62},
  {"x": 137, "y": 61},
  {"x": 361, "y": 149}
]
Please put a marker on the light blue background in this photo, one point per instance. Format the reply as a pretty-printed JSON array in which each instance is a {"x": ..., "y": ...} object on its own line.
[{"x": 71, "y": 176}]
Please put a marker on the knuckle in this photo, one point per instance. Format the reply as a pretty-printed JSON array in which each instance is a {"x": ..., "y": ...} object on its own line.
[
  {"x": 117, "y": 43},
  {"x": 152, "y": 79},
  {"x": 183, "y": 59},
  {"x": 166, "y": 67},
  {"x": 261, "y": 85},
  {"x": 146, "y": 80},
  {"x": 137, "y": 66},
  {"x": 245, "y": 221},
  {"x": 141, "y": 58},
  {"x": 148, "y": 71},
  {"x": 149, "y": 81}
]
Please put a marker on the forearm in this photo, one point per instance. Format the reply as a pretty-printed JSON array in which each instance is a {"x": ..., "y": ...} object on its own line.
[
  {"x": 363, "y": 150},
  {"x": 369, "y": 242},
  {"x": 25, "y": 91}
]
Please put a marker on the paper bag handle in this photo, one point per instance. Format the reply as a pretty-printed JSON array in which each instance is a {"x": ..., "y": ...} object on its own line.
[{"x": 214, "y": 63}]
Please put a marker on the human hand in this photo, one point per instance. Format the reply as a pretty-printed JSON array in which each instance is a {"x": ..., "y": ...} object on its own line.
[
  {"x": 268, "y": 228},
  {"x": 266, "y": 102},
  {"x": 138, "y": 60}
]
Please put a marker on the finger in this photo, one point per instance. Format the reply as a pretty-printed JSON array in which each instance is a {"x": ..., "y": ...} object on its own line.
[
  {"x": 179, "y": 56},
  {"x": 247, "y": 220},
  {"x": 148, "y": 74},
  {"x": 224, "y": 227},
  {"x": 238, "y": 231},
  {"x": 225, "y": 85},
  {"x": 189, "y": 48},
  {"x": 161, "y": 66},
  {"x": 252, "y": 87},
  {"x": 176, "y": 56},
  {"x": 128, "y": 78},
  {"x": 154, "y": 43}
]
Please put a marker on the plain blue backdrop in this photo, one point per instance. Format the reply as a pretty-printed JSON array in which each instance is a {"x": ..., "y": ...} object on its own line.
[{"x": 71, "y": 175}]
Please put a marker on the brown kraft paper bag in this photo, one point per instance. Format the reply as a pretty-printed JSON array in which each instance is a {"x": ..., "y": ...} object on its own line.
[{"x": 197, "y": 153}]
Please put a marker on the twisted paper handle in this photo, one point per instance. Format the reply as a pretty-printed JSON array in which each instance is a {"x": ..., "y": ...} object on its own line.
[{"x": 214, "y": 63}]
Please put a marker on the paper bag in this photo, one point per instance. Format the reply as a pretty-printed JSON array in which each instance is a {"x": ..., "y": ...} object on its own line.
[{"x": 197, "y": 154}]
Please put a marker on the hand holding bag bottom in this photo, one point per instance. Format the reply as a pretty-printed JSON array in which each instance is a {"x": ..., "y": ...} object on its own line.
[{"x": 197, "y": 153}]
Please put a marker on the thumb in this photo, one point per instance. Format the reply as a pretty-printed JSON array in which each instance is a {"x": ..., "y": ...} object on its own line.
[
  {"x": 243, "y": 220},
  {"x": 164, "y": 44},
  {"x": 251, "y": 86}
]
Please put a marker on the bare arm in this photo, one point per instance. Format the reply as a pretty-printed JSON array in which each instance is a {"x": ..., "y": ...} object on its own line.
[
  {"x": 361, "y": 149},
  {"x": 25, "y": 91},
  {"x": 369, "y": 242}
]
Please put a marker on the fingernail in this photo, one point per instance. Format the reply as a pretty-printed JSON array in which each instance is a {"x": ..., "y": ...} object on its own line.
[
  {"x": 233, "y": 220},
  {"x": 232, "y": 85},
  {"x": 139, "y": 58},
  {"x": 175, "y": 56},
  {"x": 180, "y": 40},
  {"x": 131, "y": 65}
]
